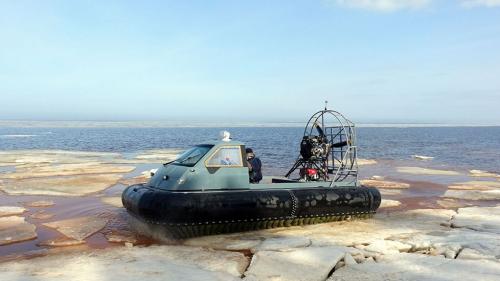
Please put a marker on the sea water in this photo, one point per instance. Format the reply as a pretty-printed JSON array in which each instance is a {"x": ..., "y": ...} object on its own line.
[{"x": 278, "y": 147}]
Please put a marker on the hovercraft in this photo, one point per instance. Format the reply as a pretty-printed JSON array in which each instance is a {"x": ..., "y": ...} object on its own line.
[{"x": 207, "y": 190}]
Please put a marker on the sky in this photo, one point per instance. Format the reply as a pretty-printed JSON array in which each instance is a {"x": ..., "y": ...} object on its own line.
[{"x": 376, "y": 61}]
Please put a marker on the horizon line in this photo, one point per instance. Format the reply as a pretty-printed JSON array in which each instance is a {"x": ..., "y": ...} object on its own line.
[{"x": 214, "y": 124}]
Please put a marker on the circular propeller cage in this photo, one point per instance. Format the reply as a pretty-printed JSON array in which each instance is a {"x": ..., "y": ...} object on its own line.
[{"x": 339, "y": 162}]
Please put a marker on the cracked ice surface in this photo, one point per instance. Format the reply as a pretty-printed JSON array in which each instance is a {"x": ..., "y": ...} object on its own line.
[
  {"x": 130, "y": 263},
  {"x": 404, "y": 266},
  {"x": 486, "y": 219}
]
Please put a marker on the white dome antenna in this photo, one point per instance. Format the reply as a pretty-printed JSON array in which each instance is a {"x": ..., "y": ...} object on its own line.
[{"x": 225, "y": 136}]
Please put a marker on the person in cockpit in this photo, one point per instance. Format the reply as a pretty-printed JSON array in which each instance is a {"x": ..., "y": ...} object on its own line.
[{"x": 254, "y": 167}]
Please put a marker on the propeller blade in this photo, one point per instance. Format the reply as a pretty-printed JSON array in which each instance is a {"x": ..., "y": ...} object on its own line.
[
  {"x": 340, "y": 144},
  {"x": 319, "y": 129}
]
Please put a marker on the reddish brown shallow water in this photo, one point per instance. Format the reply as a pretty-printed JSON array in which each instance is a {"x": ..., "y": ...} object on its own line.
[
  {"x": 65, "y": 208},
  {"x": 425, "y": 195}
]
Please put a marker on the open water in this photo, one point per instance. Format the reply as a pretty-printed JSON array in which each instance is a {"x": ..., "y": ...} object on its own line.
[{"x": 461, "y": 147}]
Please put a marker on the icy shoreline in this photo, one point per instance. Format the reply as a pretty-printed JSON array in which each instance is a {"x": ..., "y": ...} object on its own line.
[{"x": 424, "y": 229}]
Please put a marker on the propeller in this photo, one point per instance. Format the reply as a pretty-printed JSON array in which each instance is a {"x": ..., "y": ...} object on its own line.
[
  {"x": 321, "y": 132},
  {"x": 319, "y": 129}
]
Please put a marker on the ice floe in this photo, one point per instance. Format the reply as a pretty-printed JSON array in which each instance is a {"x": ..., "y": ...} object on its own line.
[
  {"x": 363, "y": 162},
  {"x": 66, "y": 170},
  {"x": 159, "y": 155},
  {"x": 426, "y": 171},
  {"x": 473, "y": 194},
  {"x": 113, "y": 201},
  {"x": 450, "y": 203},
  {"x": 62, "y": 186},
  {"x": 122, "y": 237},
  {"x": 385, "y": 247},
  {"x": 486, "y": 219},
  {"x": 283, "y": 243},
  {"x": 155, "y": 263},
  {"x": 481, "y": 173},
  {"x": 404, "y": 266},
  {"x": 39, "y": 204},
  {"x": 422, "y": 157},
  {"x": 15, "y": 229},
  {"x": 304, "y": 264},
  {"x": 231, "y": 242},
  {"x": 390, "y": 192},
  {"x": 41, "y": 215},
  {"x": 385, "y": 184},
  {"x": 476, "y": 185},
  {"x": 17, "y": 136},
  {"x": 54, "y": 156},
  {"x": 11, "y": 210},
  {"x": 388, "y": 203},
  {"x": 78, "y": 228},
  {"x": 136, "y": 180},
  {"x": 61, "y": 242}
]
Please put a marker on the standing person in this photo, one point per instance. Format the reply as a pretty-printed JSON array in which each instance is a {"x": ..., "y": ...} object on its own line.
[{"x": 254, "y": 166}]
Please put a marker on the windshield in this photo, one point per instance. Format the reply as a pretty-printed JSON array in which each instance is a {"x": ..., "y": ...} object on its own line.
[{"x": 191, "y": 156}]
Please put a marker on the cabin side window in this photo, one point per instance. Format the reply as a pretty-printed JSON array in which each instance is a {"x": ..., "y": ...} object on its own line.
[{"x": 226, "y": 156}]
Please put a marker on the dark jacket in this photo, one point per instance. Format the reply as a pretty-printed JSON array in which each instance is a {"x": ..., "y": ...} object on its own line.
[{"x": 255, "y": 173}]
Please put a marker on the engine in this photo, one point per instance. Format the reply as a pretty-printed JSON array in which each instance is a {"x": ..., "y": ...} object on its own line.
[{"x": 314, "y": 147}]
